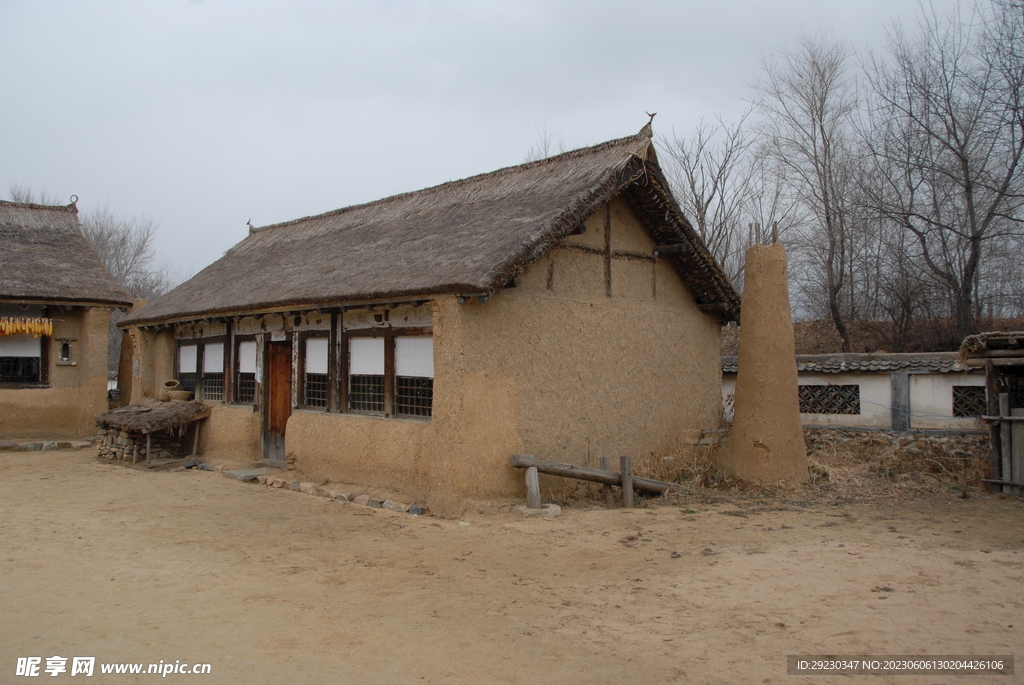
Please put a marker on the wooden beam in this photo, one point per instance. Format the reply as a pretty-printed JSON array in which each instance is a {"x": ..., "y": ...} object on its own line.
[
  {"x": 532, "y": 488},
  {"x": 523, "y": 461},
  {"x": 609, "y": 497}
]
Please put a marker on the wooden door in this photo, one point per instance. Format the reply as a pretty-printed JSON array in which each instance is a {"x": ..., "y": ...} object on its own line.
[{"x": 279, "y": 398}]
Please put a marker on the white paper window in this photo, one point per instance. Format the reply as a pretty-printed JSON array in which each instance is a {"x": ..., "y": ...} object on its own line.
[
  {"x": 187, "y": 359},
  {"x": 20, "y": 346},
  {"x": 247, "y": 356},
  {"x": 213, "y": 358},
  {"x": 366, "y": 356},
  {"x": 414, "y": 356},
  {"x": 316, "y": 355}
]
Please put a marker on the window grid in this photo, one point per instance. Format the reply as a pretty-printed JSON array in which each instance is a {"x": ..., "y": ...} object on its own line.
[
  {"x": 366, "y": 393},
  {"x": 829, "y": 399},
  {"x": 19, "y": 369},
  {"x": 969, "y": 400},
  {"x": 246, "y": 387},
  {"x": 316, "y": 390},
  {"x": 187, "y": 381},
  {"x": 413, "y": 396},
  {"x": 213, "y": 386}
]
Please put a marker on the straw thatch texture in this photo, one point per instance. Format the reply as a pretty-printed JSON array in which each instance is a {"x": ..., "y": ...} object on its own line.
[
  {"x": 152, "y": 415},
  {"x": 992, "y": 340},
  {"x": 470, "y": 236},
  {"x": 44, "y": 256}
]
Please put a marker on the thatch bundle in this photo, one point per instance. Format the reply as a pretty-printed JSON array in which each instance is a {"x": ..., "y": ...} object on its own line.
[{"x": 151, "y": 415}]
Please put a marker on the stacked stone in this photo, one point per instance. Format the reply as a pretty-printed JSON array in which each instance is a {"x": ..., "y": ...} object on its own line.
[{"x": 120, "y": 445}]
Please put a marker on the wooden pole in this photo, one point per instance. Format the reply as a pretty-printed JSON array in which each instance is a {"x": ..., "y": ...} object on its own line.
[
  {"x": 532, "y": 489},
  {"x": 991, "y": 408},
  {"x": 554, "y": 468},
  {"x": 1004, "y": 439},
  {"x": 609, "y": 496},
  {"x": 195, "y": 439},
  {"x": 627, "y": 482},
  {"x": 1016, "y": 451},
  {"x": 135, "y": 452},
  {"x": 149, "y": 448}
]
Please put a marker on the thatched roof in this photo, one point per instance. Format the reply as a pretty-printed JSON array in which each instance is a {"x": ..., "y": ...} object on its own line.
[
  {"x": 152, "y": 415},
  {"x": 465, "y": 237},
  {"x": 857, "y": 362},
  {"x": 990, "y": 342},
  {"x": 45, "y": 257}
]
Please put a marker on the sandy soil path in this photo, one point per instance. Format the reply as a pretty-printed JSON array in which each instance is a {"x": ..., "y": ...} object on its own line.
[{"x": 273, "y": 586}]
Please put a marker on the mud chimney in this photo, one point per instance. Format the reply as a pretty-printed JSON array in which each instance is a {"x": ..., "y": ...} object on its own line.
[{"x": 766, "y": 442}]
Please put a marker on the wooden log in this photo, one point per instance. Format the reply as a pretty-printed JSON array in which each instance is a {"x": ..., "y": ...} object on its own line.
[
  {"x": 609, "y": 496},
  {"x": 149, "y": 448},
  {"x": 532, "y": 488},
  {"x": 135, "y": 453},
  {"x": 554, "y": 468},
  {"x": 1005, "y": 446},
  {"x": 627, "y": 482},
  {"x": 195, "y": 439}
]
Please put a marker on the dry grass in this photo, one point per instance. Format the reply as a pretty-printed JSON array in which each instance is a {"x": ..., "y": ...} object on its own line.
[{"x": 868, "y": 469}]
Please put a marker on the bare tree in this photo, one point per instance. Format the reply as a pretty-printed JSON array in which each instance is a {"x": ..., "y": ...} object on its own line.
[
  {"x": 807, "y": 99},
  {"x": 711, "y": 171},
  {"x": 547, "y": 145},
  {"x": 946, "y": 130}
]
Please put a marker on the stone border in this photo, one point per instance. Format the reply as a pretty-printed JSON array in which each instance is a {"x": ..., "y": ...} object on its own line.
[
  {"x": 45, "y": 446},
  {"x": 261, "y": 477}
]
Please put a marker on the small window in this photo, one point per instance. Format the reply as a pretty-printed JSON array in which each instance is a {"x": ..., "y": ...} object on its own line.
[
  {"x": 366, "y": 375},
  {"x": 246, "y": 387},
  {"x": 188, "y": 366},
  {"x": 829, "y": 399},
  {"x": 64, "y": 352},
  {"x": 414, "y": 375},
  {"x": 314, "y": 382},
  {"x": 213, "y": 371},
  {"x": 969, "y": 400}
]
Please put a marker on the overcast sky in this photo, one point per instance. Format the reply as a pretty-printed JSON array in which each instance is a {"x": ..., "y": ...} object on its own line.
[{"x": 203, "y": 115}]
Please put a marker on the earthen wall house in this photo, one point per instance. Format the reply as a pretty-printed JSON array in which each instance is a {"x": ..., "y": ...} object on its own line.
[
  {"x": 55, "y": 303},
  {"x": 563, "y": 308}
]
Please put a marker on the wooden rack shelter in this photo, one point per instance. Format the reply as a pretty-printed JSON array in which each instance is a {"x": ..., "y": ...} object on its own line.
[
  {"x": 127, "y": 428},
  {"x": 1002, "y": 356}
]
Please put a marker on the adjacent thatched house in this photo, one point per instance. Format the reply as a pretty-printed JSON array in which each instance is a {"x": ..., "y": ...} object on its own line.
[
  {"x": 55, "y": 303},
  {"x": 563, "y": 307}
]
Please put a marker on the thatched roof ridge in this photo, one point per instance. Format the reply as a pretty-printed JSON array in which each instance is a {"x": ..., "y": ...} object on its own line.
[
  {"x": 152, "y": 415},
  {"x": 44, "y": 256},
  {"x": 990, "y": 341},
  {"x": 468, "y": 236}
]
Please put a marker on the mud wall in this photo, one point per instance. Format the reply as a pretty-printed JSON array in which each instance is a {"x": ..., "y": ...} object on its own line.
[
  {"x": 78, "y": 389},
  {"x": 231, "y": 433}
]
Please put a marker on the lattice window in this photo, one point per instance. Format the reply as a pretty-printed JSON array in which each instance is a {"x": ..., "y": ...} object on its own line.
[
  {"x": 969, "y": 400},
  {"x": 213, "y": 386},
  {"x": 830, "y": 399},
  {"x": 316, "y": 389},
  {"x": 19, "y": 369},
  {"x": 246, "y": 387},
  {"x": 187, "y": 381},
  {"x": 366, "y": 393},
  {"x": 414, "y": 396}
]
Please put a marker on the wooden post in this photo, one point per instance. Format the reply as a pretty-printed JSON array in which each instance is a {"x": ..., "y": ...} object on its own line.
[
  {"x": 149, "y": 448},
  {"x": 627, "y": 482},
  {"x": 135, "y": 453},
  {"x": 992, "y": 409},
  {"x": 532, "y": 488},
  {"x": 1016, "y": 450},
  {"x": 195, "y": 439},
  {"x": 1006, "y": 472},
  {"x": 609, "y": 496}
]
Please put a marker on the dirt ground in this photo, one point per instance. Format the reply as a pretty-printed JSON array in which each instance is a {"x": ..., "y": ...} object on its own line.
[{"x": 273, "y": 586}]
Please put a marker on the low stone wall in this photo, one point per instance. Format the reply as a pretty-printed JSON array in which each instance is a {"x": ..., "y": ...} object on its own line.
[
  {"x": 121, "y": 445},
  {"x": 963, "y": 445}
]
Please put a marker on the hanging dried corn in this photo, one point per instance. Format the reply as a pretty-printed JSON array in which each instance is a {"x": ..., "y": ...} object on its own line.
[{"x": 25, "y": 325}]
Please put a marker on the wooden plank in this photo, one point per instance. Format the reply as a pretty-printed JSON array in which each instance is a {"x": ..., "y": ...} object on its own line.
[
  {"x": 532, "y": 488},
  {"x": 609, "y": 496},
  {"x": 1016, "y": 450},
  {"x": 1004, "y": 440},
  {"x": 627, "y": 482},
  {"x": 523, "y": 461}
]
